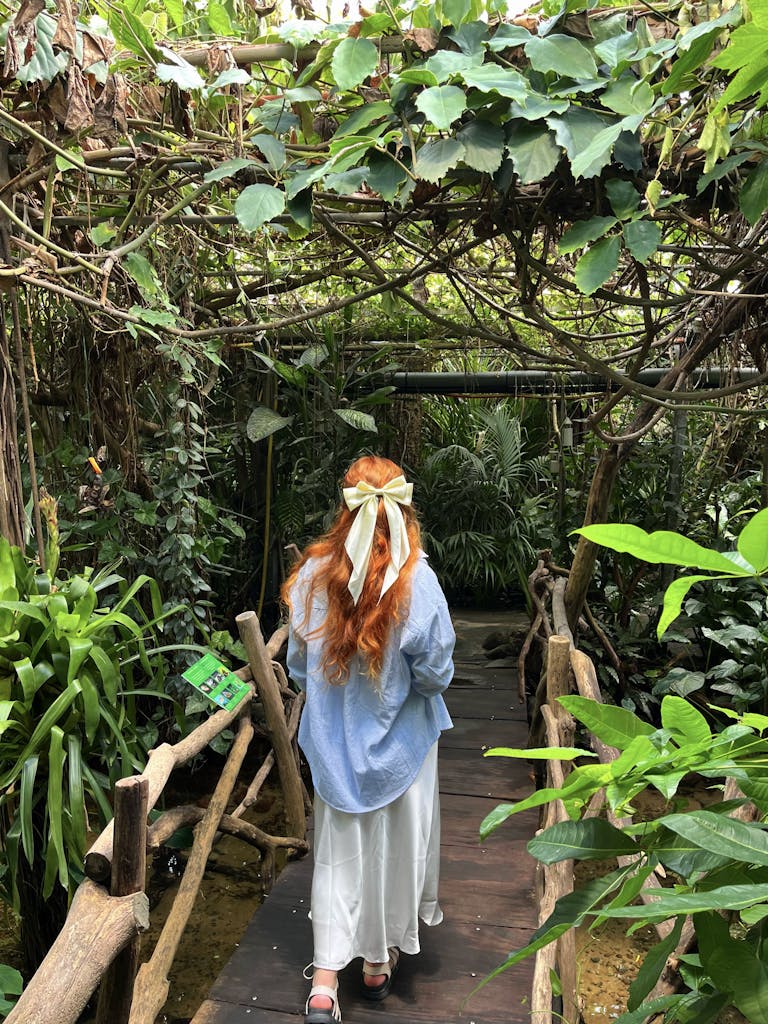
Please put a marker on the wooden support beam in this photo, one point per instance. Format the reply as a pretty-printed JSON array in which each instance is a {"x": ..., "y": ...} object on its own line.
[
  {"x": 97, "y": 927},
  {"x": 129, "y": 872},
  {"x": 151, "y": 988},
  {"x": 269, "y": 691}
]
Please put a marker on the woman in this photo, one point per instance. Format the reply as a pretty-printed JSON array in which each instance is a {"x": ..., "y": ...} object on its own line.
[{"x": 371, "y": 642}]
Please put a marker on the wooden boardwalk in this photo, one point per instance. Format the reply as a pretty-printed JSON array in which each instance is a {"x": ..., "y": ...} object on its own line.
[{"x": 486, "y": 891}]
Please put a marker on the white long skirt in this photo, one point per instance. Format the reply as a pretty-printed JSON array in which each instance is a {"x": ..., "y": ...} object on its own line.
[{"x": 376, "y": 874}]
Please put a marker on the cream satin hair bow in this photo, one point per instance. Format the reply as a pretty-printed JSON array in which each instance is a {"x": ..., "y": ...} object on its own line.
[{"x": 359, "y": 543}]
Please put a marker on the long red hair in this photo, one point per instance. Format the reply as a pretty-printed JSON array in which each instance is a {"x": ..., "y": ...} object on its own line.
[{"x": 363, "y": 628}]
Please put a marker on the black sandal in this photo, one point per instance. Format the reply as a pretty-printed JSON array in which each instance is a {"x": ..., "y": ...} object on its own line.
[
  {"x": 324, "y": 1016},
  {"x": 388, "y": 970}
]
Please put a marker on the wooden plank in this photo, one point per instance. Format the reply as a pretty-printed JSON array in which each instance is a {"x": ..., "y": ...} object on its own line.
[
  {"x": 469, "y": 773},
  {"x": 480, "y": 734},
  {"x": 480, "y": 702}
]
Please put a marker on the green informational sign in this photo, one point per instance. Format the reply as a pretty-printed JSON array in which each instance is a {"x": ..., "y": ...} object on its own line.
[{"x": 216, "y": 682}]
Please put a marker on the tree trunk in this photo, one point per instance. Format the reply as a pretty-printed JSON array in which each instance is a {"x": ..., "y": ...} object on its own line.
[{"x": 11, "y": 497}]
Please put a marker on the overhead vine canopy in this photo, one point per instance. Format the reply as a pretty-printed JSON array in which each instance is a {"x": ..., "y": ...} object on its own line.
[{"x": 587, "y": 186}]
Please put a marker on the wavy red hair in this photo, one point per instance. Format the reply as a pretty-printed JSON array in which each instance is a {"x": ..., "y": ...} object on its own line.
[{"x": 364, "y": 628}]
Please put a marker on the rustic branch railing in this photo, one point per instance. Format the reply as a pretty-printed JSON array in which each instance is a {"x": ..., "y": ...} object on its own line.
[
  {"x": 565, "y": 669},
  {"x": 99, "y": 942}
]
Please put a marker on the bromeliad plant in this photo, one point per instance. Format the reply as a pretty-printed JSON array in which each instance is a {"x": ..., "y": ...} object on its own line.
[
  {"x": 717, "y": 867},
  {"x": 78, "y": 692}
]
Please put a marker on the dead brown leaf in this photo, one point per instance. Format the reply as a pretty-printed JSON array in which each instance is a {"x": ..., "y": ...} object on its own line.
[
  {"x": 66, "y": 34},
  {"x": 79, "y": 103},
  {"x": 27, "y": 13},
  {"x": 219, "y": 58},
  {"x": 424, "y": 38},
  {"x": 96, "y": 48},
  {"x": 56, "y": 101},
  {"x": 110, "y": 118}
]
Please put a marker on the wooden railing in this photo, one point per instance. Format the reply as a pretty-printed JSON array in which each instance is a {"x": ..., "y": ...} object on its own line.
[
  {"x": 565, "y": 670},
  {"x": 99, "y": 943}
]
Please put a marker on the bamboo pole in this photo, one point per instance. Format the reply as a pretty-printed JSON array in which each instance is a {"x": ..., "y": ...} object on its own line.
[
  {"x": 97, "y": 927},
  {"x": 274, "y": 712},
  {"x": 151, "y": 988},
  {"x": 129, "y": 872}
]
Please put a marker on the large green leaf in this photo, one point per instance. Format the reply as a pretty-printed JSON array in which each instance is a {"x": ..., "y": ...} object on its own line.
[
  {"x": 623, "y": 197},
  {"x": 436, "y": 158},
  {"x": 575, "y": 129},
  {"x": 563, "y": 54},
  {"x": 674, "y": 595},
  {"x": 752, "y": 544},
  {"x": 723, "y": 836},
  {"x": 257, "y": 205},
  {"x": 684, "y": 722},
  {"x": 627, "y": 95},
  {"x": 590, "y": 839},
  {"x": 492, "y": 78},
  {"x": 598, "y": 264},
  {"x": 353, "y": 61},
  {"x": 533, "y": 149},
  {"x": 357, "y": 419},
  {"x": 643, "y": 238},
  {"x": 584, "y": 231},
  {"x": 613, "y": 725},
  {"x": 654, "y": 963},
  {"x": 483, "y": 144},
  {"x": 26, "y": 804},
  {"x": 659, "y": 547},
  {"x": 446, "y": 63},
  {"x": 598, "y": 153},
  {"x": 670, "y": 904},
  {"x": 733, "y": 966},
  {"x": 264, "y": 421},
  {"x": 185, "y": 75},
  {"x": 55, "y": 806},
  {"x": 442, "y": 105},
  {"x": 540, "y": 753}
]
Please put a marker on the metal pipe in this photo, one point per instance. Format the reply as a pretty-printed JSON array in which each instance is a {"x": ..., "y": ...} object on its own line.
[{"x": 539, "y": 382}]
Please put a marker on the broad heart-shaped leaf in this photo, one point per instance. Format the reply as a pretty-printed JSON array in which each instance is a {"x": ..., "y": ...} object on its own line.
[
  {"x": 358, "y": 420},
  {"x": 597, "y": 265},
  {"x": 613, "y": 725},
  {"x": 752, "y": 544},
  {"x": 721, "y": 835},
  {"x": 627, "y": 95},
  {"x": 583, "y": 231},
  {"x": 590, "y": 839},
  {"x": 437, "y": 158},
  {"x": 483, "y": 144},
  {"x": 446, "y": 63},
  {"x": 272, "y": 149},
  {"x": 185, "y": 75},
  {"x": 264, "y": 421},
  {"x": 598, "y": 152},
  {"x": 361, "y": 117},
  {"x": 642, "y": 238},
  {"x": 442, "y": 105},
  {"x": 353, "y": 61},
  {"x": 670, "y": 904},
  {"x": 456, "y": 11},
  {"x": 533, "y": 150},
  {"x": 733, "y": 966},
  {"x": 493, "y": 78},
  {"x": 659, "y": 547},
  {"x": 623, "y": 197},
  {"x": 385, "y": 176},
  {"x": 257, "y": 205},
  {"x": 575, "y": 129},
  {"x": 229, "y": 167},
  {"x": 563, "y": 54},
  {"x": 753, "y": 197}
]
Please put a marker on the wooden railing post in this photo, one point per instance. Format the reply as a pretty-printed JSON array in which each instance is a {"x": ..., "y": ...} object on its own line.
[
  {"x": 129, "y": 872},
  {"x": 269, "y": 692}
]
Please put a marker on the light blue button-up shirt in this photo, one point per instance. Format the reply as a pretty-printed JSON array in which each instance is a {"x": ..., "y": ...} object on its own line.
[{"x": 365, "y": 742}]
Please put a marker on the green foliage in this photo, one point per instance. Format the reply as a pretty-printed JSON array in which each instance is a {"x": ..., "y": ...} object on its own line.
[
  {"x": 749, "y": 561},
  {"x": 11, "y": 984},
  {"x": 75, "y": 675},
  {"x": 480, "y": 504},
  {"x": 717, "y": 863}
]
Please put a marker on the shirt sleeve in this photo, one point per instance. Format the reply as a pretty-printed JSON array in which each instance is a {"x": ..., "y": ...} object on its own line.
[
  {"x": 296, "y": 658},
  {"x": 429, "y": 651}
]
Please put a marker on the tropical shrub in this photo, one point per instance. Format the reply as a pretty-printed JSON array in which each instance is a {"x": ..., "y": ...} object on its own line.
[
  {"x": 716, "y": 866},
  {"x": 480, "y": 506},
  {"x": 80, "y": 705},
  {"x": 11, "y": 984}
]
